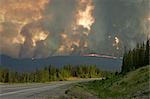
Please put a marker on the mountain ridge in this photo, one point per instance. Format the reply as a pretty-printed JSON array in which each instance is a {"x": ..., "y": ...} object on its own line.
[{"x": 28, "y": 64}]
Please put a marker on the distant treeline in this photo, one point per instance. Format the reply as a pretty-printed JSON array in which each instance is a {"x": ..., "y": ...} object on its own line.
[
  {"x": 138, "y": 57},
  {"x": 50, "y": 73}
]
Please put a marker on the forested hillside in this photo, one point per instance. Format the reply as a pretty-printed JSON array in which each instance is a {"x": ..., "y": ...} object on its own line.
[{"x": 138, "y": 57}]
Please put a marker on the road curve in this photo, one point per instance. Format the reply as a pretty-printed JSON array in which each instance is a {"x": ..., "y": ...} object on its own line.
[{"x": 36, "y": 90}]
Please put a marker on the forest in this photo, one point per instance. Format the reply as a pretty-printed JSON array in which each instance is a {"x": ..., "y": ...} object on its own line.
[
  {"x": 137, "y": 57},
  {"x": 51, "y": 73}
]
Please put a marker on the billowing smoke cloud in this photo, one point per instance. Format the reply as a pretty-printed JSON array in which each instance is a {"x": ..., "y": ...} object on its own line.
[
  {"x": 125, "y": 20},
  {"x": 42, "y": 28},
  {"x": 14, "y": 16},
  {"x": 76, "y": 41}
]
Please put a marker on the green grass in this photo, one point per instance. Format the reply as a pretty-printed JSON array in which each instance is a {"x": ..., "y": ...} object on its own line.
[
  {"x": 134, "y": 84},
  {"x": 78, "y": 92}
]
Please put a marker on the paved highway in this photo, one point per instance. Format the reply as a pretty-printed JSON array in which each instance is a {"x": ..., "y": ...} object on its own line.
[{"x": 36, "y": 90}]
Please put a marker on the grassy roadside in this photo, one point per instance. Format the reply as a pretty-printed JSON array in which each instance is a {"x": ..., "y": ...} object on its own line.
[{"x": 134, "y": 84}]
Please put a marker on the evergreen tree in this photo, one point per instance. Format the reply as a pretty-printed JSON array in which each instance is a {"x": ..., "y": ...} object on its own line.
[
  {"x": 147, "y": 53},
  {"x": 136, "y": 58}
]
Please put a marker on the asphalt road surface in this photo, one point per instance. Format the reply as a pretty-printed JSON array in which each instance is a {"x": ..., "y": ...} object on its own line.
[{"x": 36, "y": 90}]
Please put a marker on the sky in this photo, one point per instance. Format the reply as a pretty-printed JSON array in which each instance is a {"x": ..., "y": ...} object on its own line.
[{"x": 43, "y": 28}]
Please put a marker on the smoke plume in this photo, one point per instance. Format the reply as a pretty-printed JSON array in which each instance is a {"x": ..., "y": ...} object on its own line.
[{"x": 43, "y": 28}]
